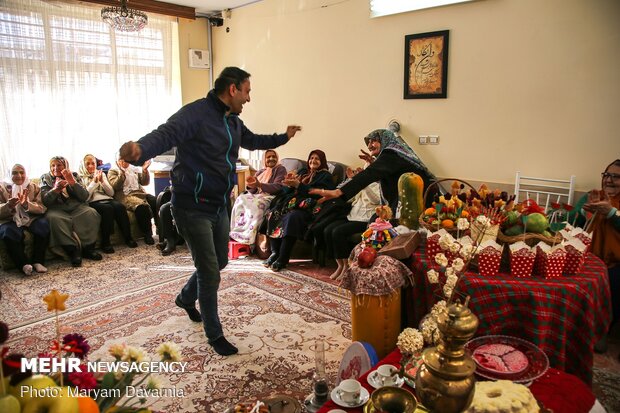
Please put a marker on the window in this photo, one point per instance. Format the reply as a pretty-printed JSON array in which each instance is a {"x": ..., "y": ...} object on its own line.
[
  {"x": 386, "y": 7},
  {"x": 69, "y": 85}
]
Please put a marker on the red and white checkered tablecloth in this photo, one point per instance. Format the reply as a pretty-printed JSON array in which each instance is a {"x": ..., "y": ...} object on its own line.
[{"x": 564, "y": 316}]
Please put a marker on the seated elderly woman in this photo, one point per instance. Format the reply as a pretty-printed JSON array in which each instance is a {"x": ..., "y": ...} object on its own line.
[
  {"x": 101, "y": 199},
  {"x": 127, "y": 184},
  {"x": 249, "y": 209},
  {"x": 292, "y": 210},
  {"x": 389, "y": 158},
  {"x": 21, "y": 209},
  {"x": 65, "y": 197},
  {"x": 603, "y": 206}
]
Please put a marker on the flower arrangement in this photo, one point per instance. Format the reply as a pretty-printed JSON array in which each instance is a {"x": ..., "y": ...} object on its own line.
[{"x": 124, "y": 386}]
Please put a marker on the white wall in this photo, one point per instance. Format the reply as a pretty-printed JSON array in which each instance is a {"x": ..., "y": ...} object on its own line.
[{"x": 532, "y": 84}]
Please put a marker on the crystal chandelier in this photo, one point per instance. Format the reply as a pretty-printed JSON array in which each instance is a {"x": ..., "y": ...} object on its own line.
[{"x": 124, "y": 19}]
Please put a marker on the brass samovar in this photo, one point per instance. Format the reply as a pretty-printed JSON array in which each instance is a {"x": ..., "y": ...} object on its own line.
[{"x": 445, "y": 382}]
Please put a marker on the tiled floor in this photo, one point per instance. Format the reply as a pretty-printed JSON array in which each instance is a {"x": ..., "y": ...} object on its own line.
[{"x": 610, "y": 360}]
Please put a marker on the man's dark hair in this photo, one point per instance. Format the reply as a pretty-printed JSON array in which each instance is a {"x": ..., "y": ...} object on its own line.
[{"x": 229, "y": 76}]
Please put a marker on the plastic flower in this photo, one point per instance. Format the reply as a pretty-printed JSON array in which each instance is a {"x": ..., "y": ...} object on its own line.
[
  {"x": 169, "y": 351},
  {"x": 466, "y": 251},
  {"x": 455, "y": 247},
  {"x": 55, "y": 301},
  {"x": 78, "y": 342},
  {"x": 133, "y": 354},
  {"x": 445, "y": 241},
  {"x": 84, "y": 380},
  {"x": 153, "y": 383},
  {"x": 483, "y": 220},
  {"x": 410, "y": 341},
  {"x": 117, "y": 351}
]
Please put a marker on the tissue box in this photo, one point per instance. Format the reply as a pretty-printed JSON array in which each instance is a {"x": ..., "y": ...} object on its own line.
[
  {"x": 402, "y": 246},
  {"x": 522, "y": 259},
  {"x": 549, "y": 261}
]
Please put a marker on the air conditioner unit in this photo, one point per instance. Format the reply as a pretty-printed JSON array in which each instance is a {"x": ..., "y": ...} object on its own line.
[{"x": 198, "y": 59}]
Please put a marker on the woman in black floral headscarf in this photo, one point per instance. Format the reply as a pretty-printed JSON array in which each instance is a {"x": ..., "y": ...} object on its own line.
[{"x": 291, "y": 211}]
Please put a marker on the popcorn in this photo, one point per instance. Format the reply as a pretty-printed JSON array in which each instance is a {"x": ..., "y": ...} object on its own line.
[{"x": 410, "y": 341}]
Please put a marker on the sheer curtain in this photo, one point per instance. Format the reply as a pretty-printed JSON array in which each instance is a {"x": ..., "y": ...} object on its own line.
[{"x": 69, "y": 85}]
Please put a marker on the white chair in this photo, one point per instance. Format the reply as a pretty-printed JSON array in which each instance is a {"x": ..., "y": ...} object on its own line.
[{"x": 544, "y": 190}]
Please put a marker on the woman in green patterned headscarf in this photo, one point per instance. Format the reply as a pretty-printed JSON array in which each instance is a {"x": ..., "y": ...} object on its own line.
[{"x": 389, "y": 157}]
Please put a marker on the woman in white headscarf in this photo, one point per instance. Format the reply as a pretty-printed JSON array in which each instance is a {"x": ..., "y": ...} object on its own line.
[
  {"x": 127, "y": 183},
  {"x": 21, "y": 209},
  {"x": 101, "y": 199},
  {"x": 249, "y": 209}
]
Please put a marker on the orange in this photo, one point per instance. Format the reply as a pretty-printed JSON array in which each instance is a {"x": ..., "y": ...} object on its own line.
[
  {"x": 447, "y": 223},
  {"x": 430, "y": 212},
  {"x": 464, "y": 214},
  {"x": 87, "y": 405}
]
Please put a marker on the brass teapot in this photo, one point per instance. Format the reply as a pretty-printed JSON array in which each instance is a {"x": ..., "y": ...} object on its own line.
[{"x": 445, "y": 382}]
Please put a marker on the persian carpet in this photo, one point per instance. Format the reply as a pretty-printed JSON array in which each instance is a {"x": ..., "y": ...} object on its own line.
[{"x": 273, "y": 318}]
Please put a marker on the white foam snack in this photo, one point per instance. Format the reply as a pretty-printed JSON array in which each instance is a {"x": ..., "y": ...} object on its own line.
[
  {"x": 490, "y": 243},
  {"x": 519, "y": 246},
  {"x": 575, "y": 243}
]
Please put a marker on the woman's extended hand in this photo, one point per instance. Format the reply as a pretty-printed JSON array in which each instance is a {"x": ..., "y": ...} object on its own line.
[
  {"x": 251, "y": 182},
  {"x": 59, "y": 185},
  {"x": 366, "y": 157},
  {"x": 145, "y": 166},
  {"x": 326, "y": 194},
  {"x": 68, "y": 176},
  {"x": 23, "y": 198},
  {"x": 291, "y": 181}
]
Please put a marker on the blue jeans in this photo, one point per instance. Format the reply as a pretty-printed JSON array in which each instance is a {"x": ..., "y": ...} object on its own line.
[{"x": 207, "y": 238}]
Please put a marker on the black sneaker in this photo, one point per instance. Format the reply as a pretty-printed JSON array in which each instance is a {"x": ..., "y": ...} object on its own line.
[
  {"x": 193, "y": 314},
  {"x": 223, "y": 347},
  {"x": 131, "y": 243},
  {"x": 148, "y": 240}
]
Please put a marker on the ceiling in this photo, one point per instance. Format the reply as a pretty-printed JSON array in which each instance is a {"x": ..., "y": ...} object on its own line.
[{"x": 207, "y": 7}]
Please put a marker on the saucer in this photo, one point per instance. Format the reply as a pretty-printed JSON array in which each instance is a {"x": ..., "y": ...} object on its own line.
[
  {"x": 364, "y": 396},
  {"x": 375, "y": 381}
]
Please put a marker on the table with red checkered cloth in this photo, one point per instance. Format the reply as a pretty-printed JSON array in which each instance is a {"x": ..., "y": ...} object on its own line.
[
  {"x": 564, "y": 316},
  {"x": 556, "y": 390}
]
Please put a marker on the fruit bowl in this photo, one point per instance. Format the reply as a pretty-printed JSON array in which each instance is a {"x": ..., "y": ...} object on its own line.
[{"x": 538, "y": 363}]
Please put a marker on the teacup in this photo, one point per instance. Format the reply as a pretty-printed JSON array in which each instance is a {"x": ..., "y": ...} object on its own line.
[
  {"x": 386, "y": 374},
  {"x": 349, "y": 391}
]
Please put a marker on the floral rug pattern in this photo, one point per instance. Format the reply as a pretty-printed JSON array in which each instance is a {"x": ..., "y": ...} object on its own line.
[{"x": 273, "y": 318}]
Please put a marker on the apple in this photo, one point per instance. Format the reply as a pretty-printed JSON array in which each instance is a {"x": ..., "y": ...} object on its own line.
[
  {"x": 34, "y": 383},
  {"x": 57, "y": 400},
  {"x": 536, "y": 223},
  {"x": 367, "y": 257},
  {"x": 9, "y": 404}
]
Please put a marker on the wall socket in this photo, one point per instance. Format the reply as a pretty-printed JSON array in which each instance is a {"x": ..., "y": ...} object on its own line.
[{"x": 428, "y": 139}]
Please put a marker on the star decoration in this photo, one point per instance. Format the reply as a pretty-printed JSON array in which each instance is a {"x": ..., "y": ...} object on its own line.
[{"x": 55, "y": 301}]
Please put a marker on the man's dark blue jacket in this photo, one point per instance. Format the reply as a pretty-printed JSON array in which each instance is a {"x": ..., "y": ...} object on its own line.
[{"x": 207, "y": 142}]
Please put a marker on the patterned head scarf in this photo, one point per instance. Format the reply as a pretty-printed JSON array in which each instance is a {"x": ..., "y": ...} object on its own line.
[
  {"x": 388, "y": 140},
  {"x": 307, "y": 178},
  {"x": 61, "y": 159}
]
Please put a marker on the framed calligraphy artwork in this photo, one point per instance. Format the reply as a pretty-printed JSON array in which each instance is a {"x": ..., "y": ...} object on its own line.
[{"x": 426, "y": 65}]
